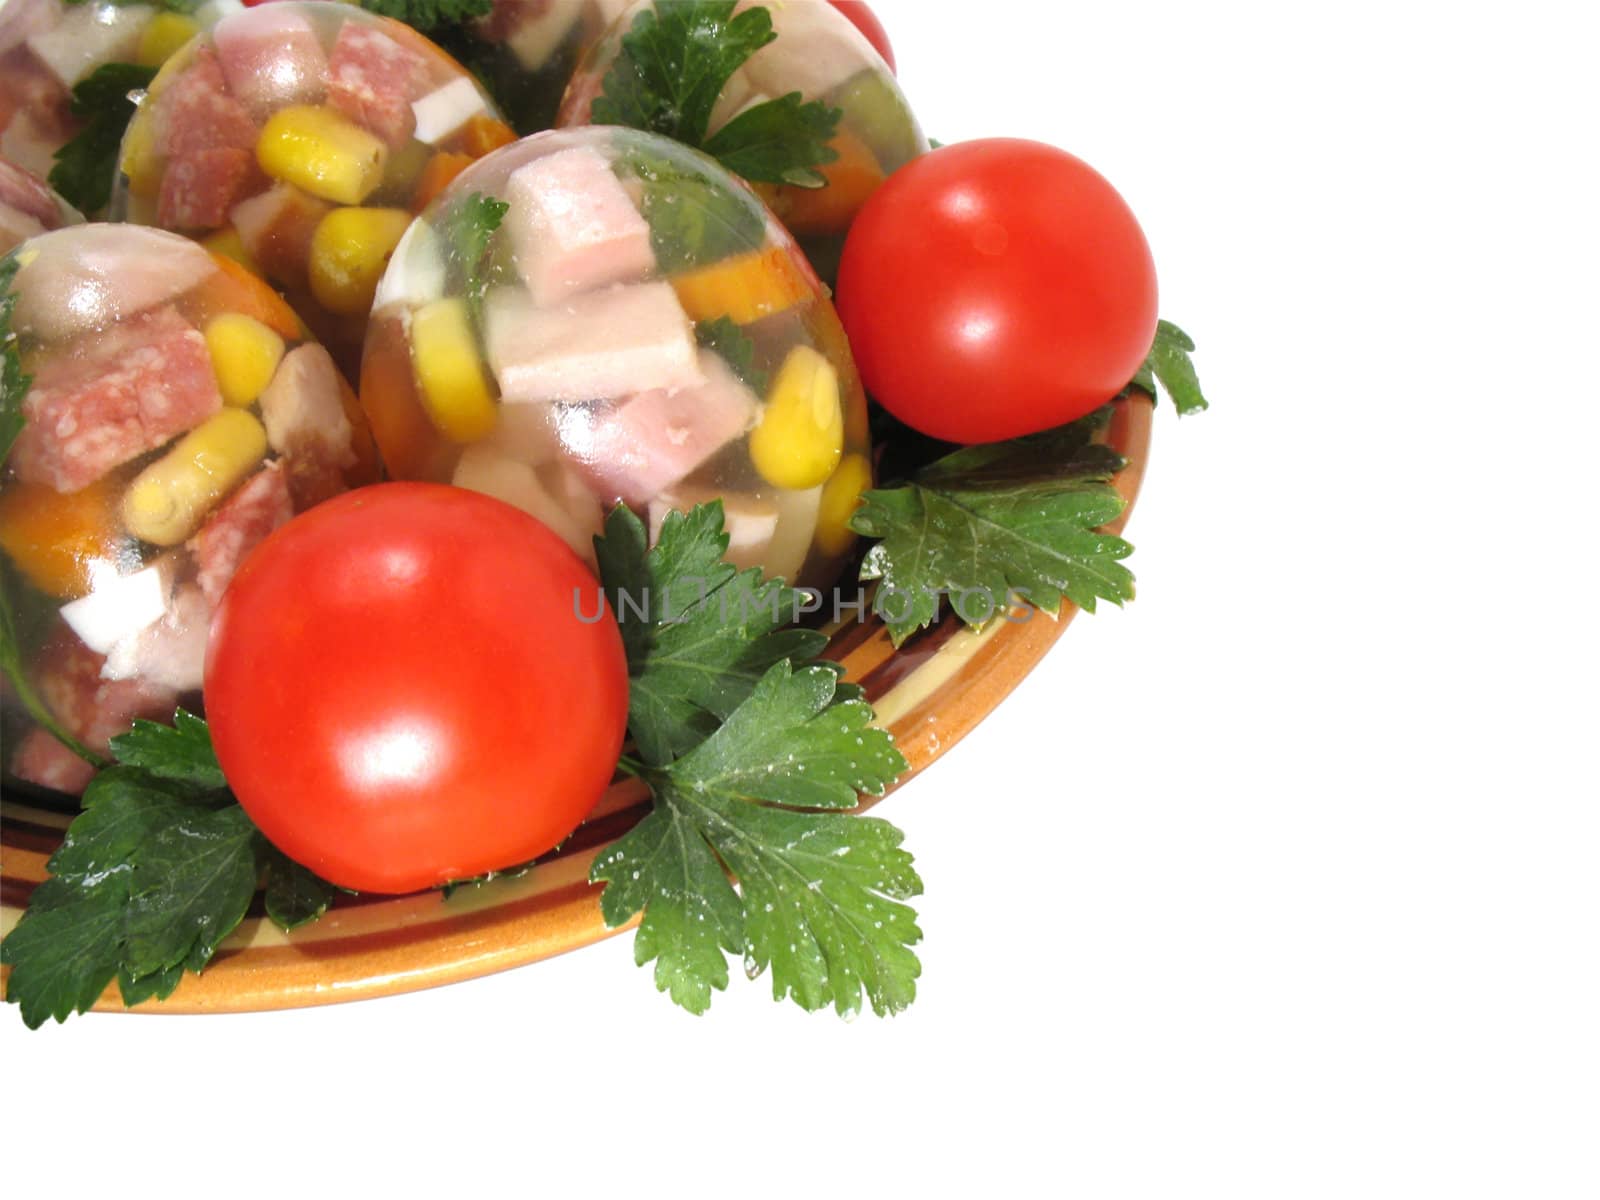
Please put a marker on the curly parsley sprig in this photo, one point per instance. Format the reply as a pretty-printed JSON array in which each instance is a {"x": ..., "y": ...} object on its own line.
[{"x": 673, "y": 64}]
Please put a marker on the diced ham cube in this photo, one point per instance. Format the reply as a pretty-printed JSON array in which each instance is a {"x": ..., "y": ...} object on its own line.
[
  {"x": 171, "y": 653},
  {"x": 271, "y": 58},
  {"x": 635, "y": 449},
  {"x": 91, "y": 708},
  {"x": 303, "y": 410},
  {"x": 255, "y": 509},
  {"x": 554, "y": 495},
  {"x": 89, "y": 35},
  {"x": 601, "y": 345},
  {"x": 200, "y": 188},
  {"x": 750, "y": 522},
  {"x": 373, "y": 79},
  {"x": 276, "y": 227},
  {"x": 196, "y": 111},
  {"x": 112, "y": 397},
  {"x": 91, "y": 276},
  {"x": 573, "y": 226}
]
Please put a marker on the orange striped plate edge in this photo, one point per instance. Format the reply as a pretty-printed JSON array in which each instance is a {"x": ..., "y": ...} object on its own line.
[{"x": 930, "y": 694}]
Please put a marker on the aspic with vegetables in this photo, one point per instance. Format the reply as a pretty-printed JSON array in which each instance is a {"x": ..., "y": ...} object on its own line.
[
  {"x": 301, "y": 138},
  {"x": 412, "y": 685},
  {"x": 175, "y": 411},
  {"x": 600, "y": 316}
]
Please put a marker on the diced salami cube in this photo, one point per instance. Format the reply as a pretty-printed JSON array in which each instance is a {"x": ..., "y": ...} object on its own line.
[
  {"x": 635, "y": 449},
  {"x": 373, "y": 79},
  {"x": 271, "y": 58},
  {"x": 89, "y": 35},
  {"x": 303, "y": 409},
  {"x": 276, "y": 227},
  {"x": 196, "y": 111},
  {"x": 601, "y": 345},
  {"x": 171, "y": 652},
  {"x": 113, "y": 397},
  {"x": 573, "y": 226},
  {"x": 124, "y": 269},
  {"x": 200, "y": 188},
  {"x": 255, "y": 509},
  {"x": 92, "y": 709}
]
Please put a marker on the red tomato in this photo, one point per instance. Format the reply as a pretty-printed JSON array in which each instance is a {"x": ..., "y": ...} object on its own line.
[
  {"x": 864, "y": 19},
  {"x": 402, "y": 691},
  {"x": 996, "y": 288}
]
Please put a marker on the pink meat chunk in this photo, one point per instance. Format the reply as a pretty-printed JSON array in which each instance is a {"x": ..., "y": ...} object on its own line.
[
  {"x": 271, "y": 58},
  {"x": 112, "y": 397},
  {"x": 635, "y": 449},
  {"x": 373, "y": 79},
  {"x": 277, "y": 227},
  {"x": 573, "y": 226},
  {"x": 89, "y": 707},
  {"x": 171, "y": 652},
  {"x": 254, "y": 510},
  {"x": 602, "y": 345},
  {"x": 303, "y": 410},
  {"x": 197, "y": 112},
  {"x": 200, "y": 188},
  {"x": 42, "y": 760}
]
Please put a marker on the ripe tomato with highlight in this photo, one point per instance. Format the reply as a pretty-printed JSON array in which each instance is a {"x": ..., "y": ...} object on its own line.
[
  {"x": 996, "y": 288},
  {"x": 411, "y": 684}
]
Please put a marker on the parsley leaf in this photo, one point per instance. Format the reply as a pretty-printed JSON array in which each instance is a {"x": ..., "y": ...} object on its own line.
[
  {"x": 466, "y": 229},
  {"x": 821, "y": 890},
  {"x": 86, "y": 166},
  {"x": 1169, "y": 362},
  {"x": 425, "y": 16},
  {"x": 725, "y": 337},
  {"x": 180, "y": 752},
  {"x": 698, "y": 632},
  {"x": 779, "y": 141},
  {"x": 990, "y": 524},
  {"x": 152, "y": 875},
  {"x": 692, "y": 220},
  {"x": 673, "y": 64}
]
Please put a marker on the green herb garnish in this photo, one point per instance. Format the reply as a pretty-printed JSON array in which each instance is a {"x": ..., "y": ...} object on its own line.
[
  {"x": 154, "y": 873},
  {"x": 466, "y": 229},
  {"x": 426, "y": 16},
  {"x": 87, "y": 165},
  {"x": 1169, "y": 362},
  {"x": 673, "y": 64},
  {"x": 990, "y": 525},
  {"x": 724, "y": 337}
]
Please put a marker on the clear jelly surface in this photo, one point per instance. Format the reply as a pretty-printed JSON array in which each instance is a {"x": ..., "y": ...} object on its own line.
[
  {"x": 178, "y": 413},
  {"x": 821, "y": 55},
  {"x": 595, "y": 316},
  {"x": 300, "y": 138}
]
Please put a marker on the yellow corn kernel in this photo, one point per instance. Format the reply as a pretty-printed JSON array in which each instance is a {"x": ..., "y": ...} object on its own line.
[
  {"x": 164, "y": 36},
  {"x": 801, "y": 435},
  {"x": 139, "y": 161},
  {"x": 171, "y": 497},
  {"x": 227, "y": 242},
  {"x": 744, "y": 288},
  {"x": 321, "y": 152},
  {"x": 244, "y": 355},
  {"x": 840, "y": 495},
  {"x": 349, "y": 250},
  {"x": 449, "y": 372}
]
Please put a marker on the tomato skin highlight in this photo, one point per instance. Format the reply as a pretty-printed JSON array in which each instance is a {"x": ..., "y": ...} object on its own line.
[
  {"x": 863, "y": 18},
  {"x": 996, "y": 288},
  {"x": 401, "y": 690}
]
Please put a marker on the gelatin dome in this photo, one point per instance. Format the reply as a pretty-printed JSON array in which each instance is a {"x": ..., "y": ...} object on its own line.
[{"x": 595, "y": 316}]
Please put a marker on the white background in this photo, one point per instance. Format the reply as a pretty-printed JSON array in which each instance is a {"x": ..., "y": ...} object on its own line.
[{"x": 1281, "y": 883}]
